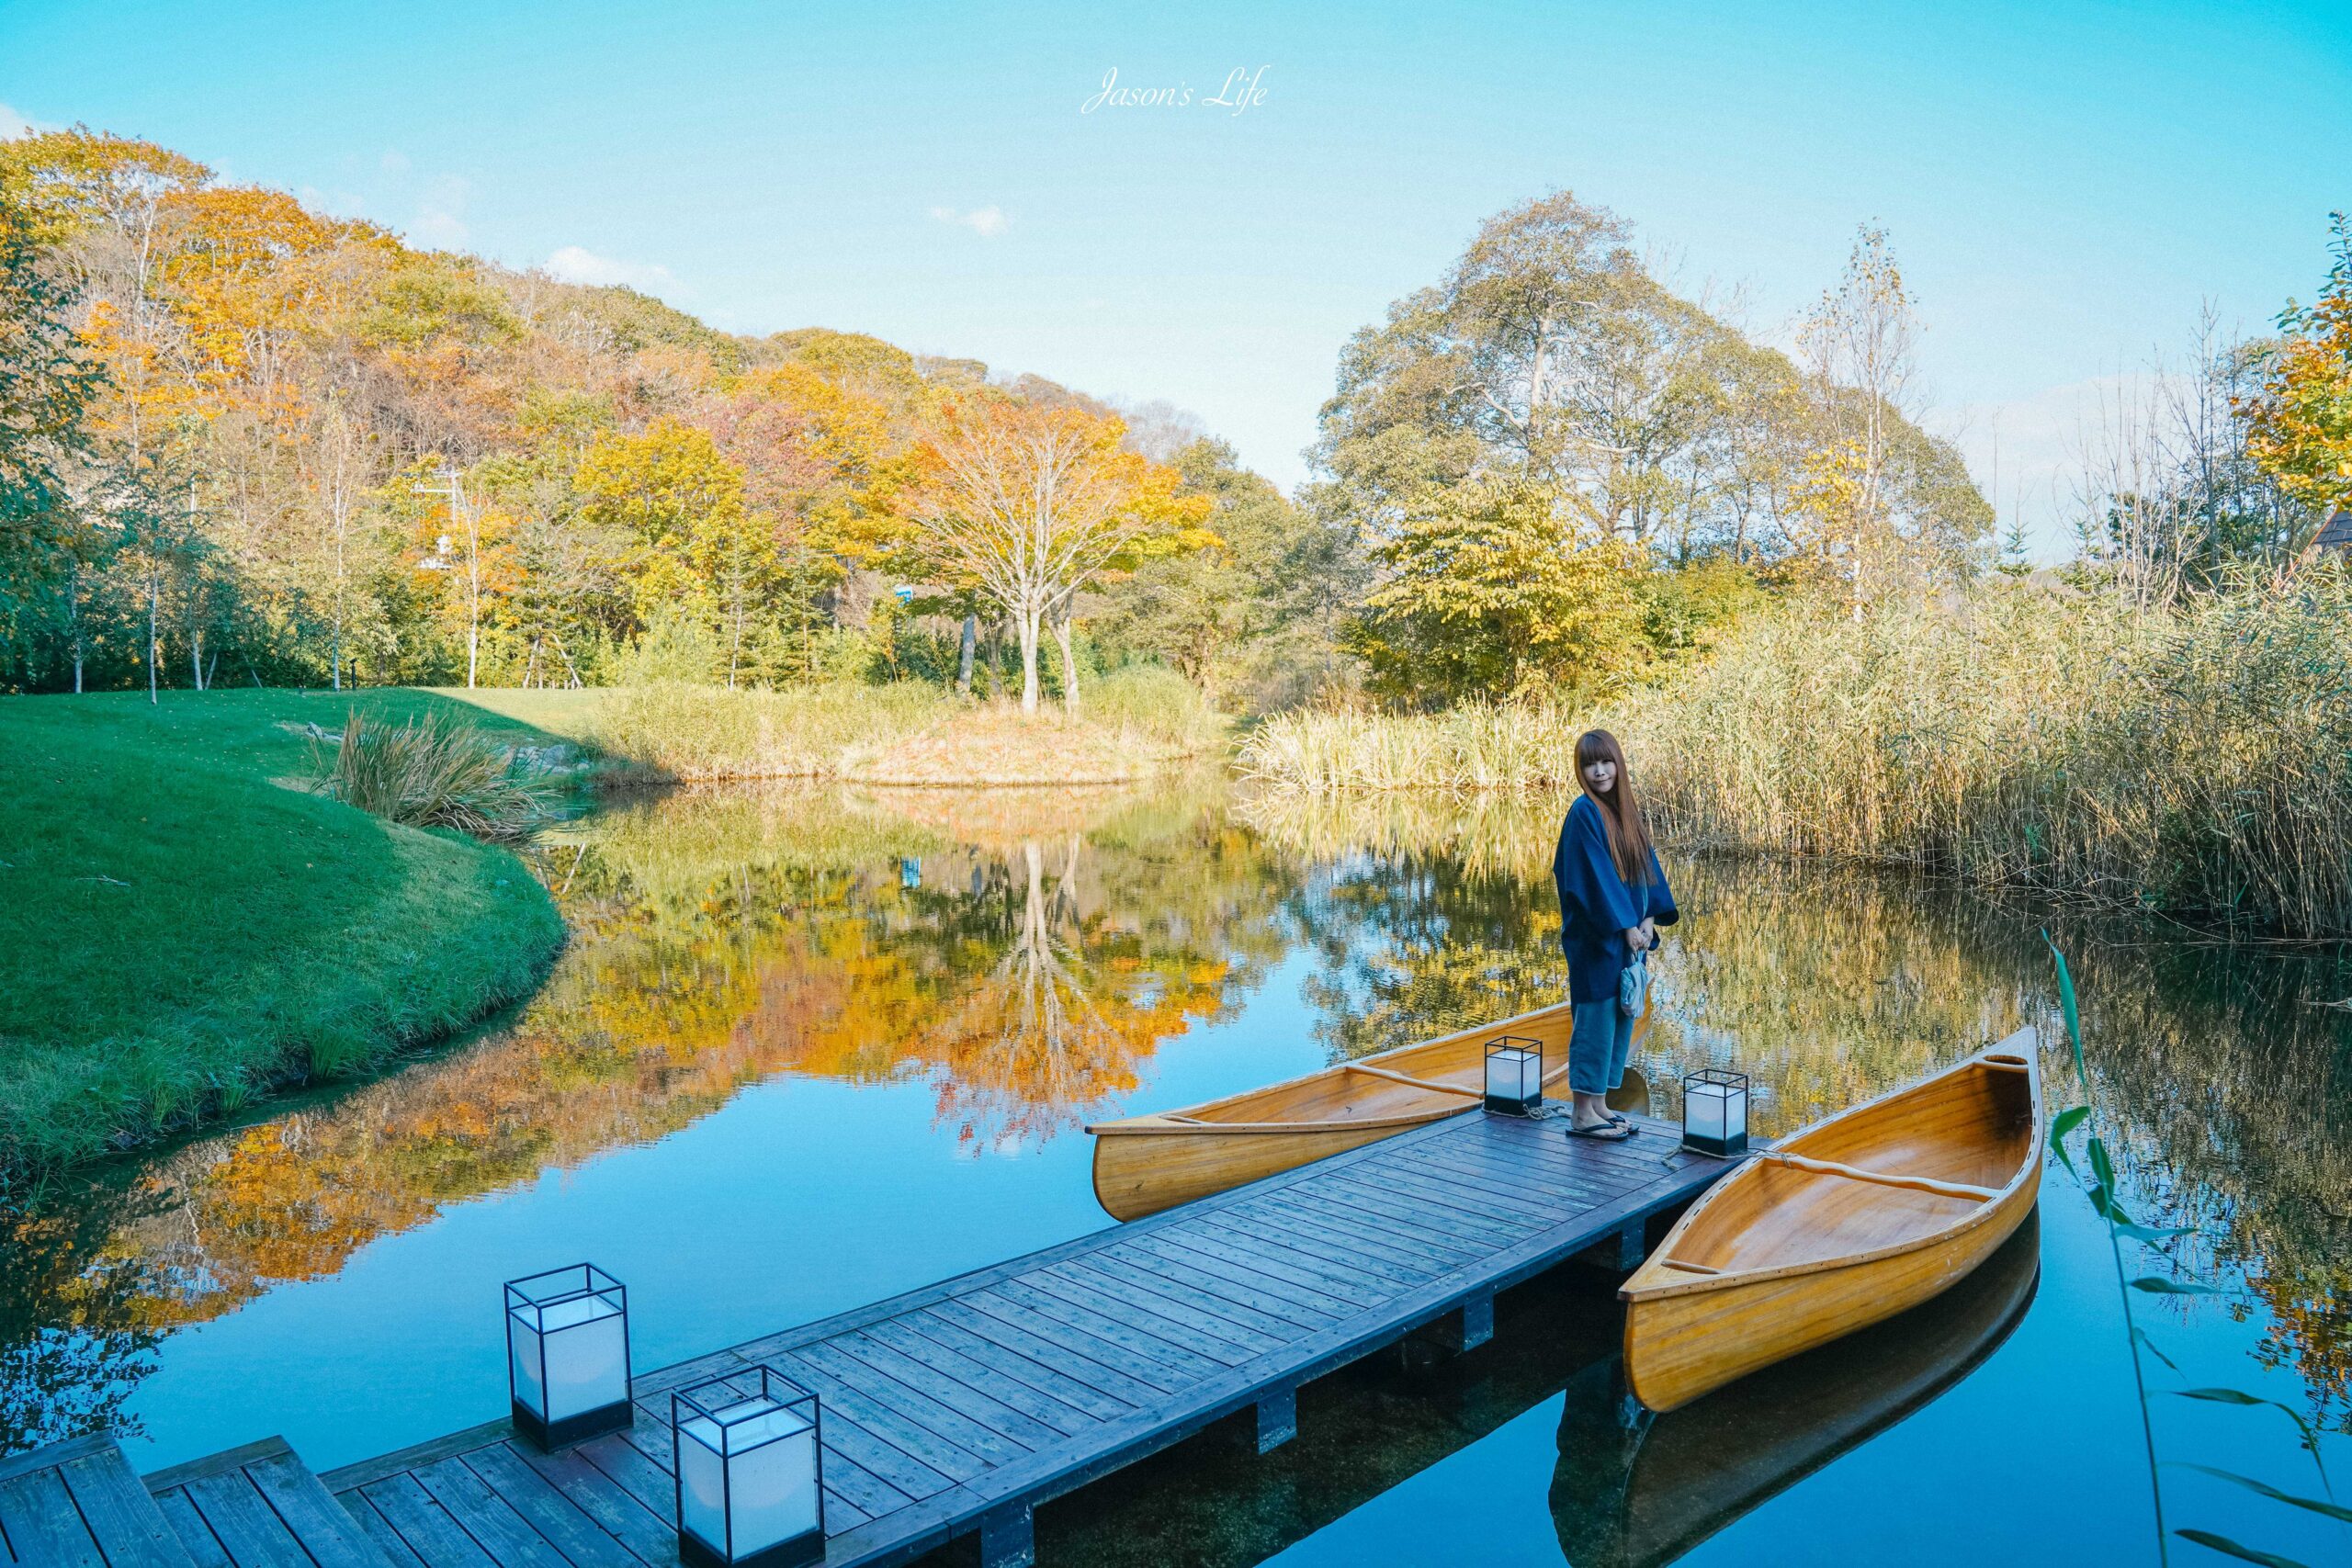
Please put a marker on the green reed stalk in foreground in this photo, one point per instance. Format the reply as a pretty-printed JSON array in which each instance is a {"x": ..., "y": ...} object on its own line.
[
  {"x": 2100, "y": 1187},
  {"x": 2195, "y": 762}
]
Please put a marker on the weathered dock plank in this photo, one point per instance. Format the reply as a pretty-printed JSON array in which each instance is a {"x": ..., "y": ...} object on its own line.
[
  {"x": 77, "y": 1505},
  {"x": 259, "y": 1506},
  {"x": 961, "y": 1406}
]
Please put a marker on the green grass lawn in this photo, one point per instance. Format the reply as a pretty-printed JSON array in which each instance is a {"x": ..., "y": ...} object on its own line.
[{"x": 179, "y": 932}]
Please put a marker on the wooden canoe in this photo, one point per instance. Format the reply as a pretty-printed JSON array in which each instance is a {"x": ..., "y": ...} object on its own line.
[
  {"x": 1645, "y": 1492},
  {"x": 1145, "y": 1164},
  {"x": 1850, "y": 1222}
]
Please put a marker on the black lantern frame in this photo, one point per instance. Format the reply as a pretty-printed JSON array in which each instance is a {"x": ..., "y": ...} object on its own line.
[
  {"x": 1528, "y": 1098},
  {"x": 1731, "y": 1087},
  {"x": 721, "y": 1406},
  {"x": 547, "y": 1306}
]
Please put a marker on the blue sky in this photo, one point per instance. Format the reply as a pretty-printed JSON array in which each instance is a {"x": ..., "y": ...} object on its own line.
[{"x": 2064, "y": 182}]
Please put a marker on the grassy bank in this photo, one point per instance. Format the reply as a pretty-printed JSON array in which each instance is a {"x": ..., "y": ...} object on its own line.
[
  {"x": 1134, "y": 723},
  {"x": 2195, "y": 762},
  {"x": 179, "y": 932}
]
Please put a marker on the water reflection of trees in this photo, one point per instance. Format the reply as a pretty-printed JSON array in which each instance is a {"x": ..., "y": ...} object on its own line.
[
  {"x": 1028, "y": 968},
  {"x": 1026, "y": 958},
  {"x": 2229, "y": 1070},
  {"x": 76, "y": 1334}
]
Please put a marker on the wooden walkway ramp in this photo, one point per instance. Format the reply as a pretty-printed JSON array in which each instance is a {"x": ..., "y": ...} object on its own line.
[{"x": 959, "y": 1407}]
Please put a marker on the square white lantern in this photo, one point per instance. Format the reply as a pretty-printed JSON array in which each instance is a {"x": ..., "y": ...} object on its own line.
[
  {"x": 1514, "y": 1074},
  {"x": 567, "y": 1355},
  {"x": 751, "y": 1476},
  {"x": 1714, "y": 1113}
]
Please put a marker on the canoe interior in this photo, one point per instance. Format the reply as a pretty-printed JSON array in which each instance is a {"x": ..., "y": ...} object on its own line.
[
  {"x": 1145, "y": 1164},
  {"x": 1974, "y": 1127}
]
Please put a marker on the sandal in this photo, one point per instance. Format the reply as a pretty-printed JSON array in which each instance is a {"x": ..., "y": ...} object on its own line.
[{"x": 1606, "y": 1131}]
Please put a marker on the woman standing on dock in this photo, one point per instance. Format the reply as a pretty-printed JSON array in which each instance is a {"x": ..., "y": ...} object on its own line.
[{"x": 1613, "y": 897}]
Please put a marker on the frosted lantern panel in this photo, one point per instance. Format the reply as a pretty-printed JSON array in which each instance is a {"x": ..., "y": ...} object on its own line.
[
  {"x": 1514, "y": 1074},
  {"x": 587, "y": 1356},
  {"x": 523, "y": 1351},
  {"x": 775, "y": 1489},
  {"x": 702, "y": 1484},
  {"x": 1705, "y": 1117}
]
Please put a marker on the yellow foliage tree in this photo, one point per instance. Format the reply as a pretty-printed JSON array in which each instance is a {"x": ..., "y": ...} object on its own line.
[
  {"x": 697, "y": 541},
  {"x": 2300, "y": 425}
]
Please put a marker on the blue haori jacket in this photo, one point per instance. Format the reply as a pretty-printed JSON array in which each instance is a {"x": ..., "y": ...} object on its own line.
[{"x": 1597, "y": 907}]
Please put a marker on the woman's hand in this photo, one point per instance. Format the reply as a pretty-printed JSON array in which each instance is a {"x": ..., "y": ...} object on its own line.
[
  {"x": 1649, "y": 934},
  {"x": 1638, "y": 939}
]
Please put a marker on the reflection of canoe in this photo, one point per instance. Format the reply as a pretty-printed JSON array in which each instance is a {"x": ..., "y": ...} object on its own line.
[
  {"x": 1691, "y": 1472},
  {"x": 1851, "y": 1221},
  {"x": 1143, "y": 1164}
]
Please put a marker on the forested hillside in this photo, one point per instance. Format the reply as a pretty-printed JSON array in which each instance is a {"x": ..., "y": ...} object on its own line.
[
  {"x": 273, "y": 447},
  {"x": 255, "y": 444}
]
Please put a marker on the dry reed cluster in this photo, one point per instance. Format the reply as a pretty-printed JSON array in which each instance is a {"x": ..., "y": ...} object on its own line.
[
  {"x": 1133, "y": 723},
  {"x": 2195, "y": 761}
]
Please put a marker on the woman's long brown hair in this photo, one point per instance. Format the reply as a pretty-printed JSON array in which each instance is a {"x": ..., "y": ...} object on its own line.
[{"x": 1629, "y": 835}]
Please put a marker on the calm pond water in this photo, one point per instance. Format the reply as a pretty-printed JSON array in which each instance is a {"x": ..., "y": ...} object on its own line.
[{"x": 806, "y": 1049}]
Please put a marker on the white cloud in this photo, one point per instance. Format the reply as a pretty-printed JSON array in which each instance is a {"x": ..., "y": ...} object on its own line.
[
  {"x": 14, "y": 124},
  {"x": 576, "y": 264},
  {"x": 987, "y": 222},
  {"x": 440, "y": 212},
  {"x": 339, "y": 203}
]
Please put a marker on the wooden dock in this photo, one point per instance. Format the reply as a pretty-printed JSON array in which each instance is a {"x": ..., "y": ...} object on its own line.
[{"x": 954, "y": 1409}]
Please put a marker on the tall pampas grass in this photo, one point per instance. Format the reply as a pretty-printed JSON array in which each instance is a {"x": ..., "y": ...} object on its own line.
[
  {"x": 436, "y": 771},
  {"x": 2195, "y": 762}
]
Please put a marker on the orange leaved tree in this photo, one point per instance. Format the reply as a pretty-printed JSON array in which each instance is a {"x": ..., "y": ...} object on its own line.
[{"x": 1030, "y": 504}]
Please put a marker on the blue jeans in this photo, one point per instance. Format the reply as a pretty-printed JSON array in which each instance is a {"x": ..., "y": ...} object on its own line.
[{"x": 1600, "y": 1041}]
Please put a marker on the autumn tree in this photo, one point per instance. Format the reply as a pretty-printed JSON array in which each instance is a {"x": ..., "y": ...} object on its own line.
[
  {"x": 344, "y": 458},
  {"x": 695, "y": 541},
  {"x": 1498, "y": 589},
  {"x": 1877, "y": 502},
  {"x": 2299, "y": 418},
  {"x": 1254, "y": 610},
  {"x": 1035, "y": 504}
]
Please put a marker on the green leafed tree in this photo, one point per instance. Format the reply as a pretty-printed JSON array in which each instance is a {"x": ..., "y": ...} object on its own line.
[
  {"x": 46, "y": 385},
  {"x": 1498, "y": 589},
  {"x": 1250, "y": 619},
  {"x": 1552, "y": 359}
]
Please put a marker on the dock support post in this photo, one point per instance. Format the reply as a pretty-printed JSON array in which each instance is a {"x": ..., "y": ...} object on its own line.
[
  {"x": 1466, "y": 1327},
  {"x": 1008, "y": 1538},
  {"x": 1277, "y": 1418},
  {"x": 1622, "y": 1253},
  {"x": 1478, "y": 1321}
]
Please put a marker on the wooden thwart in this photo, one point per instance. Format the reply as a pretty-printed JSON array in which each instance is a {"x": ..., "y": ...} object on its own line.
[
  {"x": 1883, "y": 1178},
  {"x": 1393, "y": 1078}
]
